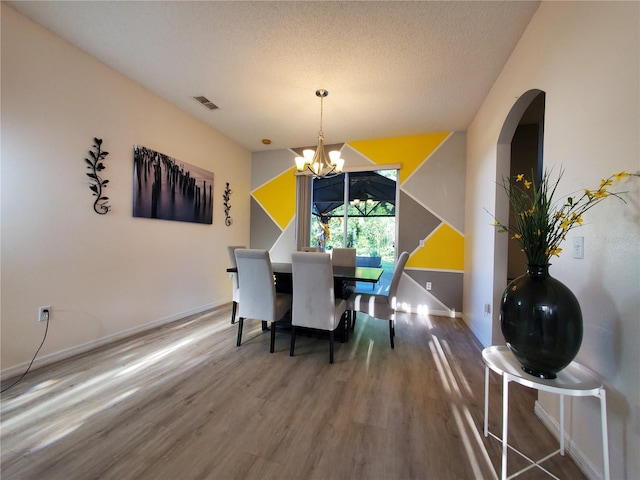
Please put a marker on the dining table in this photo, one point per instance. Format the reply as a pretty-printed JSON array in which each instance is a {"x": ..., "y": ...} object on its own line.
[
  {"x": 341, "y": 276},
  {"x": 340, "y": 272}
]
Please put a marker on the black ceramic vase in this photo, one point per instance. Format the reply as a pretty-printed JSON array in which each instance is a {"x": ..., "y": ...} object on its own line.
[{"x": 541, "y": 322}]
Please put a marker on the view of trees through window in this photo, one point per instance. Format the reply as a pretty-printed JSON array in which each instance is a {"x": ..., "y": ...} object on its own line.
[{"x": 370, "y": 236}]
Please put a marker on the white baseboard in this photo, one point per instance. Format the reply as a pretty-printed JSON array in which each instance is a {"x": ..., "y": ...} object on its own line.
[
  {"x": 476, "y": 333},
  {"x": 85, "y": 347},
  {"x": 436, "y": 313},
  {"x": 576, "y": 454}
]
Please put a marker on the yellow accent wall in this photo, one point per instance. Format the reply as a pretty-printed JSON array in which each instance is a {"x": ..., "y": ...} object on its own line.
[
  {"x": 411, "y": 151},
  {"x": 278, "y": 198},
  {"x": 443, "y": 250}
]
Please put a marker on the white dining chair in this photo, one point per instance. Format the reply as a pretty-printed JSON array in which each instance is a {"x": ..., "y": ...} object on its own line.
[
  {"x": 314, "y": 303},
  {"x": 231, "y": 250},
  {"x": 258, "y": 297},
  {"x": 381, "y": 306},
  {"x": 346, "y": 257}
]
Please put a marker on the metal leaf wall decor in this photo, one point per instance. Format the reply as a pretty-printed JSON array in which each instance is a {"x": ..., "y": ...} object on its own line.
[
  {"x": 227, "y": 206},
  {"x": 97, "y": 183}
]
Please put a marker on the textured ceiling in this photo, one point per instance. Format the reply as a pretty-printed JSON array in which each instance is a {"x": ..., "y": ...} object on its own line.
[{"x": 391, "y": 68}]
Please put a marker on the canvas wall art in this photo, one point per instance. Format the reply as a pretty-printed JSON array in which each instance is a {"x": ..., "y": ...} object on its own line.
[{"x": 169, "y": 189}]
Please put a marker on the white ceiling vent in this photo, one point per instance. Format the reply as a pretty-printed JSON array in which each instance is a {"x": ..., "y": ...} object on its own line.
[{"x": 206, "y": 102}]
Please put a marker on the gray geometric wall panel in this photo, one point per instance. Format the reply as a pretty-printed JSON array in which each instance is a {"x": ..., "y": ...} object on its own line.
[
  {"x": 439, "y": 182},
  {"x": 415, "y": 222},
  {"x": 411, "y": 293},
  {"x": 445, "y": 286},
  {"x": 265, "y": 166},
  {"x": 264, "y": 231},
  {"x": 354, "y": 157}
]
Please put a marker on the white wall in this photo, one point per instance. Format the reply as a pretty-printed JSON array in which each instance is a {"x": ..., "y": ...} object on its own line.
[
  {"x": 104, "y": 275},
  {"x": 585, "y": 56}
]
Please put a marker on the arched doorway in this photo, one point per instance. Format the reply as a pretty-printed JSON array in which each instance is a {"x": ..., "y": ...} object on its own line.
[
  {"x": 520, "y": 150},
  {"x": 526, "y": 158}
]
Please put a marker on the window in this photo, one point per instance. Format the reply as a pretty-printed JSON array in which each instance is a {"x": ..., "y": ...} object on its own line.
[{"x": 357, "y": 210}]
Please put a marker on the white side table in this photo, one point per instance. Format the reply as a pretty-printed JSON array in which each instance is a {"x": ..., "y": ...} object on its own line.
[{"x": 574, "y": 380}]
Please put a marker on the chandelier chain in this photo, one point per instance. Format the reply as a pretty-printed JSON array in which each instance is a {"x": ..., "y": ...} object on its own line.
[
  {"x": 317, "y": 162},
  {"x": 321, "y": 133}
]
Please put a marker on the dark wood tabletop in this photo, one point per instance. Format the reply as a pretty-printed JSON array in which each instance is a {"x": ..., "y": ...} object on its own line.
[{"x": 349, "y": 274}]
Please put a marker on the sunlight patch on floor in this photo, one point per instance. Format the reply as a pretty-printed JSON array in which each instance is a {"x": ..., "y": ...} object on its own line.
[
  {"x": 51, "y": 439},
  {"x": 439, "y": 367},
  {"x": 87, "y": 398},
  {"x": 444, "y": 369},
  {"x": 355, "y": 341},
  {"x": 463, "y": 428},
  {"x": 457, "y": 370},
  {"x": 427, "y": 322},
  {"x": 31, "y": 395},
  {"x": 420, "y": 318},
  {"x": 471, "y": 455},
  {"x": 155, "y": 357},
  {"x": 70, "y": 397},
  {"x": 404, "y": 306},
  {"x": 61, "y": 426},
  {"x": 478, "y": 439},
  {"x": 455, "y": 383},
  {"x": 369, "y": 351}
]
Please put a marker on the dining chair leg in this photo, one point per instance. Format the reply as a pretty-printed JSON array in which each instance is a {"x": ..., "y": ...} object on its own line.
[
  {"x": 353, "y": 320},
  {"x": 391, "y": 333},
  {"x": 234, "y": 308},
  {"x": 240, "y": 322},
  {"x": 293, "y": 340},
  {"x": 331, "y": 347},
  {"x": 346, "y": 325},
  {"x": 273, "y": 337}
]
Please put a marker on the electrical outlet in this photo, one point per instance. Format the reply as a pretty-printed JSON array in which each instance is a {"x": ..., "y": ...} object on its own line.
[
  {"x": 428, "y": 285},
  {"x": 421, "y": 243},
  {"x": 44, "y": 313}
]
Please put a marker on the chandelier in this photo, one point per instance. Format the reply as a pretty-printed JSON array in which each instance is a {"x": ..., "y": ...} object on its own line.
[
  {"x": 364, "y": 203},
  {"x": 317, "y": 162}
]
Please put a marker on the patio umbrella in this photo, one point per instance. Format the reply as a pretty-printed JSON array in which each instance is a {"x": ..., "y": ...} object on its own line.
[{"x": 370, "y": 194}]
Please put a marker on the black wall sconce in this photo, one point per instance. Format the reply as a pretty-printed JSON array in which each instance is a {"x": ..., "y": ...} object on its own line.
[
  {"x": 227, "y": 206},
  {"x": 97, "y": 183}
]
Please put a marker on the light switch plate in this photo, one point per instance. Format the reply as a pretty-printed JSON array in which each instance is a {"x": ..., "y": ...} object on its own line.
[{"x": 578, "y": 247}]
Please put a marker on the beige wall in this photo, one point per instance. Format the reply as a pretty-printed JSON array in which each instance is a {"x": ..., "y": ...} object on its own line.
[
  {"x": 108, "y": 275},
  {"x": 104, "y": 275},
  {"x": 585, "y": 56}
]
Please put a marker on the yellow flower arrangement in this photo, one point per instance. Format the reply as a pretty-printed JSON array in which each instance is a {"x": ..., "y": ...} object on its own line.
[
  {"x": 324, "y": 233},
  {"x": 541, "y": 224},
  {"x": 325, "y": 229}
]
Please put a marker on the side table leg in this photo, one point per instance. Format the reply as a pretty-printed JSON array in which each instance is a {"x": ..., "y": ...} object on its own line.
[
  {"x": 486, "y": 401},
  {"x": 505, "y": 423},
  {"x": 605, "y": 436},
  {"x": 562, "y": 425}
]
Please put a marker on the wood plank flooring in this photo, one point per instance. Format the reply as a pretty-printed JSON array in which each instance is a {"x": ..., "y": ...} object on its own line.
[{"x": 183, "y": 402}]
